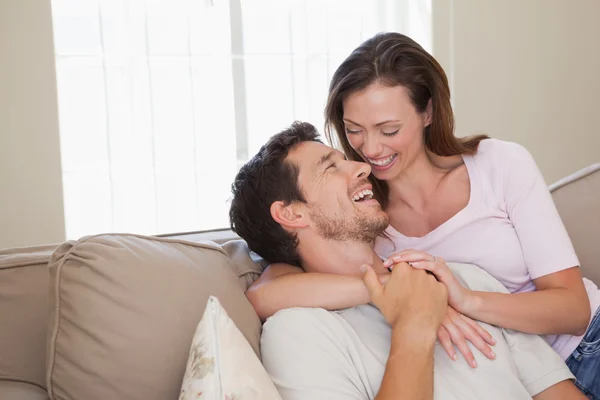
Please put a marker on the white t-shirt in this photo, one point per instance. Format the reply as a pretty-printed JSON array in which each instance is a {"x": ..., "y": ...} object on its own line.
[
  {"x": 314, "y": 354},
  {"x": 510, "y": 228}
]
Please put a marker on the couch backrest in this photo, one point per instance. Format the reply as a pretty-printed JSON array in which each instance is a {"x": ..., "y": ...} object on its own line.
[
  {"x": 124, "y": 309},
  {"x": 23, "y": 314},
  {"x": 577, "y": 198}
]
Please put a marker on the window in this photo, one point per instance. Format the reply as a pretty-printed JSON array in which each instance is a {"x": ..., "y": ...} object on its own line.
[{"x": 160, "y": 102}]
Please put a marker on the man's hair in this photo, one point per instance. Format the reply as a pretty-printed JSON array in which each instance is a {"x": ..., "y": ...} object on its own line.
[{"x": 268, "y": 177}]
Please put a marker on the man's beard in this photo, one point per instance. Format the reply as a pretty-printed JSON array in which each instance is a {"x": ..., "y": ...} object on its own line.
[{"x": 355, "y": 227}]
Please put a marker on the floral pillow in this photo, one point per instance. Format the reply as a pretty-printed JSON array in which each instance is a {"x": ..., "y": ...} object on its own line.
[{"x": 222, "y": 365}]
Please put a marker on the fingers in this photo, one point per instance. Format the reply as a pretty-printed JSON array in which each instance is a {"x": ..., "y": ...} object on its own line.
[
  {"x": 485, "y": 335},
  {"x": 460, "y": 342},
  {"x": 446, "y": 342},
  {"x": 468, "y": 330},
  {"x": 384, "y": 278},
  {"x": 426, "y": 265},
  {"x": 407, "y": 256},
  {"x": 473, "y": 336},
  {"x": 371, "y": 281}
]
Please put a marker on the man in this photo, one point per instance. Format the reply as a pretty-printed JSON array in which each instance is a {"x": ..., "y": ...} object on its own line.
[{"x": 300, "y": 202}]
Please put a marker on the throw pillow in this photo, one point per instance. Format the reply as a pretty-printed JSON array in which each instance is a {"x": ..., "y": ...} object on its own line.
[{"x": 222, "y": 365}]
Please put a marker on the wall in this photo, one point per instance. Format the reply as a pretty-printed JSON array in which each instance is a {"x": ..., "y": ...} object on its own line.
[
  {"x": 31, "y": 207},
  {"x": 525, "y": 71}
]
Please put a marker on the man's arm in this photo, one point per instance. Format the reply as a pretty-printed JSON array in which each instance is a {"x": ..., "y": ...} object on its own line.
[
  {"x": 414, "y": 304},
  {"x": 409, "y": 369}
]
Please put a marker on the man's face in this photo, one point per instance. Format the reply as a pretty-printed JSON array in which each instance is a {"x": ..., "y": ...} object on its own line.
[{"x": 339, "y": 196}]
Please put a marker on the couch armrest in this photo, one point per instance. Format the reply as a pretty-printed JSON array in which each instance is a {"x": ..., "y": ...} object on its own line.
[
  {"x": 577, "y": 198},
  {"x": 13, "y": 390}
]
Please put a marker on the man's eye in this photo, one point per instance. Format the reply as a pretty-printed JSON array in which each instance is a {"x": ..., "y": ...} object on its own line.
[{"x": 330, "y": 166}]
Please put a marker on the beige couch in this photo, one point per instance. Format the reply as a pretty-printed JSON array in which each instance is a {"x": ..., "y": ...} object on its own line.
[{"x": 112, "y": 316}]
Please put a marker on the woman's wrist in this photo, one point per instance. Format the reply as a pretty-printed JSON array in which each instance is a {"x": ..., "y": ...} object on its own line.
[{"x": 472, "y": 304}]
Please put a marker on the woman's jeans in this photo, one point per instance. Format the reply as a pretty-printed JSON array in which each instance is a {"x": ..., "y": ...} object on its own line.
[{"x": 584, "y": 363}]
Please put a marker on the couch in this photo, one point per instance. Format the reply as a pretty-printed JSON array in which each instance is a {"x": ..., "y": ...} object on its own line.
[{"x": 112, "y": 316}]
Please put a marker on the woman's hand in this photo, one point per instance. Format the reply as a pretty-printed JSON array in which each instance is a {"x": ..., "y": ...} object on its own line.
[
  {"x": 459, "y": 297},
  {"x": 456, "y": 329}
]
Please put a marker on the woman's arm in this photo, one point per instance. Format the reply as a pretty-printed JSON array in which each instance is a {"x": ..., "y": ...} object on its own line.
[
  {"x": 559, "y": 306},
  {"x": 283, "y": 286}
]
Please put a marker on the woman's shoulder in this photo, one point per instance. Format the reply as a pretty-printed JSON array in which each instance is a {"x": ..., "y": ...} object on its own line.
[
  {"x": 492, "y": 147},
  {"x": 498, "y": 153}
]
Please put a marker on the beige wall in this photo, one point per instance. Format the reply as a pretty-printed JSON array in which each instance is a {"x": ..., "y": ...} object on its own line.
[
  {"x": 31, "y": 206},
  {"x": 526, "y": 71}
]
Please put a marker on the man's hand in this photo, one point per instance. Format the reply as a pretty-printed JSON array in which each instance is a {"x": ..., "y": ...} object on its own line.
[
  {"x": 459, "y": 297},
  {"x": 411, "y": 298},
  {"x": 414, "y": 303}
]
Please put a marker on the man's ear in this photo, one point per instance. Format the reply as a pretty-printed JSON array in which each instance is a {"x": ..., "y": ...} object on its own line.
[
  {"x": 428, "y": 113},
  {"x": 289, "y": 216}
]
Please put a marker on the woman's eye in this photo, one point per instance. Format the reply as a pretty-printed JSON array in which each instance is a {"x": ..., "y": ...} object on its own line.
[
  {"x": 351, "y": 132},
  {"x": 390, "y": 133}
]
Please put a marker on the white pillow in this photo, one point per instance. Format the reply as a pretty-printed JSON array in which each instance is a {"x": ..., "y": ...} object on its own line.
[{"x": 222, "y": 365}]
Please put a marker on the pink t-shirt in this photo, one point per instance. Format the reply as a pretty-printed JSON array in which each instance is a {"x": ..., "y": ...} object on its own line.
[{"x": 510, "y": 227}]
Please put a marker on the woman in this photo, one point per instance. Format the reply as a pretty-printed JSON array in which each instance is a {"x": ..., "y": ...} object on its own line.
[{"x": 472, "y": 200}]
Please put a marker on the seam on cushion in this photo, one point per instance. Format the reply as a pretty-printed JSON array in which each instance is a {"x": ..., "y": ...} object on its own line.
[
  {"x": 52, "y": 345},
  {"x": 54, "y": 337},
  {"x": 31, "y": 250},
  {"x": 24, "y": 264},
  {"x": 19, "y": 380},
  {"x": 215, "y": 247}
]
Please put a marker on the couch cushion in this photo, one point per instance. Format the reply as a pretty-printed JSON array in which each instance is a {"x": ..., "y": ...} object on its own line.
[
  {"x": 577, "y": 198},
  {"x": 248, "y": 265},
  {"x": 124, "y": 311},
  {"x": 11, "y": 390},
  {"x": 23, "y": 313}
]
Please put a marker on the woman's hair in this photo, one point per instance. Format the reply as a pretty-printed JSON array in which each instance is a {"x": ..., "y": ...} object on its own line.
[{"x": 393, "y": 59}]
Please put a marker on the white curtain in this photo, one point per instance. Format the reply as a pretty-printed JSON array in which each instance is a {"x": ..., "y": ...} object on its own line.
[{"x": 161, "y": 101}]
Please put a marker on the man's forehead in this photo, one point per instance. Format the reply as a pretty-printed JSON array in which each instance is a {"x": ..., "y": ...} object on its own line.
[{"x": 308, "y": 156}]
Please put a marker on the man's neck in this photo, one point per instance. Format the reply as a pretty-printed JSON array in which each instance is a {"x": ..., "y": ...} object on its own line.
[{"x": 330, "y": 256}]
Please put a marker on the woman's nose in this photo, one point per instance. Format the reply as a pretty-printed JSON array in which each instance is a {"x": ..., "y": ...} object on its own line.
[{"x": 371, "y": 146}]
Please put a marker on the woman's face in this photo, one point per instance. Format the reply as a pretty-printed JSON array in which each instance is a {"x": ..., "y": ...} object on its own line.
[{"x": 385, "y": 128}]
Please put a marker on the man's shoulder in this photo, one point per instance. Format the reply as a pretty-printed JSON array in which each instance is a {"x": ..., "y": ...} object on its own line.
[{"x": 297, "y": 333}]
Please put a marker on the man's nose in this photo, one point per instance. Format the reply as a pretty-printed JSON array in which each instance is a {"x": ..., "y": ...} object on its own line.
[{"x": 362, "y": 170}]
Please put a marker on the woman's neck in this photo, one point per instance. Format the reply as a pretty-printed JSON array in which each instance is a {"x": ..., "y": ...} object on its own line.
[{"x": 416, "y": 185}]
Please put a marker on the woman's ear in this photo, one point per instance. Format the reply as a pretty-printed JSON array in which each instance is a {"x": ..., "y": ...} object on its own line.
[
  {"x": 428, "y": 113},
  {"x": 288, "y": 216}
]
